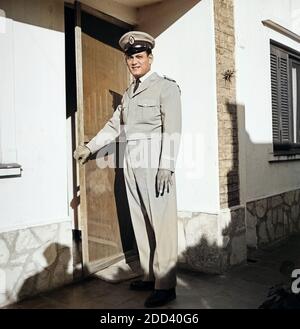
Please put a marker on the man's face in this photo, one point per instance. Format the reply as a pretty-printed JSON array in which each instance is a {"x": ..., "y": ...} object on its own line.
[{"x": 139, "y": 64}]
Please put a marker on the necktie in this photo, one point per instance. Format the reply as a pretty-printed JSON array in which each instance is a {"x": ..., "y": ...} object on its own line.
[{"x": 137, "y": 83}]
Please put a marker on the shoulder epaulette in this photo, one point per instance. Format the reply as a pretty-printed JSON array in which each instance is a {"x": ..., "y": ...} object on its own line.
[{"x": 169, "y": 79}]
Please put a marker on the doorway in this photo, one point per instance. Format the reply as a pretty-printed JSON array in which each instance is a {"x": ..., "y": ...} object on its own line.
[{"x": 97, "y": 77}]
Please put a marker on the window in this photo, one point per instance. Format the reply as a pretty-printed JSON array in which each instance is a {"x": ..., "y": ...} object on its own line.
[{"x": 285, "y": 84}]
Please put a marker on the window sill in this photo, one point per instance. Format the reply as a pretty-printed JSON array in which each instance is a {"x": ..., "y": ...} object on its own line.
[
  {"x": 283, "y": 157},
  {"x": 8, "y": 170}
]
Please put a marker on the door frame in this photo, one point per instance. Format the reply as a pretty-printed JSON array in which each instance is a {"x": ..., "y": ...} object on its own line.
[{"x": 82, "y": 222}]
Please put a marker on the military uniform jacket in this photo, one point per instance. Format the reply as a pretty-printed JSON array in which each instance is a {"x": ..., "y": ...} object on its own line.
[{"x": 152, "y": 111}]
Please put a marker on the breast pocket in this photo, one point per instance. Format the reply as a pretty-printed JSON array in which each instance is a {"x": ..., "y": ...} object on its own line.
[{"x": 149, "y": 110}]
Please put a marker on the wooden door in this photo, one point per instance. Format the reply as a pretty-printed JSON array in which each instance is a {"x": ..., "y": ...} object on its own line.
[{"x": 102, "y": 78}]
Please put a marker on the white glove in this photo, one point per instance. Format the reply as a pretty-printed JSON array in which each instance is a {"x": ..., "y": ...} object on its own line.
[{"x": 81, "y": 154}]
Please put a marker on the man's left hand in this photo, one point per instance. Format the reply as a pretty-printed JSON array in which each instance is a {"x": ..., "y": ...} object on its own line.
[{"x": 164, "y": 180}]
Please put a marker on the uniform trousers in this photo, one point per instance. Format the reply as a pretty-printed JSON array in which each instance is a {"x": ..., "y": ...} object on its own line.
[{"x": 154, "y": 217}]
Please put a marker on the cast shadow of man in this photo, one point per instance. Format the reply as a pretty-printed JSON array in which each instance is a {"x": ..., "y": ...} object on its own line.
[{"x": 56, "y": 262}]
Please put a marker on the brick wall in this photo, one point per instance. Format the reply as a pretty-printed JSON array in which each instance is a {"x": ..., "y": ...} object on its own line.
[{"x": 226, "y": 99}]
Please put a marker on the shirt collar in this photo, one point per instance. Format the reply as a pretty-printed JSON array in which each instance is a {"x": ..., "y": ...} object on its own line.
[{"x": 144, "y": 77}]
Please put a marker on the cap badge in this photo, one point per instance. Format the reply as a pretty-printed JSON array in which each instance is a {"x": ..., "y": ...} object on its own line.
[{"x": 131, "y": 40}]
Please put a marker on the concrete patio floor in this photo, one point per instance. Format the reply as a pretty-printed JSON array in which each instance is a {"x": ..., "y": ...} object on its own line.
[{"x": 242, "y": 287}]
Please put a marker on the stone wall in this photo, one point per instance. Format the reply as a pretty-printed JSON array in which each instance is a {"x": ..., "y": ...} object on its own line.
[
  {"x": 34, "y": 260},
  {"x": 271, "y": 220},
  {"x": 226, "y": 100},
  {"x": 212, "y": 243}
]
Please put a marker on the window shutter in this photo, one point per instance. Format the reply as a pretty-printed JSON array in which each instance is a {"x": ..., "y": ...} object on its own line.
[
  {"x": 284, "y": 100},
  {"x": 281, "y": 113},
  {"x": 275, "y": 98}
]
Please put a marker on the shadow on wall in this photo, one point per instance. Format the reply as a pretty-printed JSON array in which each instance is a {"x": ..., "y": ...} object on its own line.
[
  {"x": 163, "y": 15},
  {"x": 233, "y": 183},
  {"x": 55, "y": 273},
  {"x": 46, "y": 14},
  {"x": 206, "y": 257},
  {"x": 213, "y": 243}
]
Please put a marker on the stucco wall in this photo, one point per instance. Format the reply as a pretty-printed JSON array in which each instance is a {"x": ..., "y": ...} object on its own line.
[
  {"x": 259, "y": 177},
  {"x": 33, "y": 119}
]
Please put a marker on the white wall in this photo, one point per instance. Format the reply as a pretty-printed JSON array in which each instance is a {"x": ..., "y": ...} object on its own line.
[
  {"x": 185, "y": 51},
  {"x": 7, "y": 113},
  {"x": 262, "y": 178},
  {"x": 32, "y": 93}
]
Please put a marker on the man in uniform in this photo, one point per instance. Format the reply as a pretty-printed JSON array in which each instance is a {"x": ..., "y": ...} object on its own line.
[{"x": 150, "y": 116}]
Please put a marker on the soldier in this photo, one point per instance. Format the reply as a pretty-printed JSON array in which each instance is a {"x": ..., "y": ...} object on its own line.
[{"x": 150, "y": 116}]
